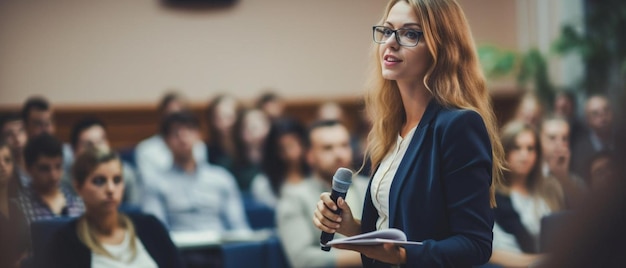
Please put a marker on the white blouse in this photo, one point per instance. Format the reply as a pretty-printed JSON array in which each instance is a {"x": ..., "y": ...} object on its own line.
[
  {"x": 381, "y": 183},
  {"x": 530, "y": 209},
  {"x": 123, "y": 255}
]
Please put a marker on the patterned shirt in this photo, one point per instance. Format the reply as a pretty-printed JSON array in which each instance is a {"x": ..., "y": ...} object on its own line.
[{"x": 36, "y": 209}]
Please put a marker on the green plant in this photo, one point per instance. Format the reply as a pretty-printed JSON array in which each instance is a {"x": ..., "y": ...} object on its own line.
[
  {"x": 529, "y": 69},
  {"x": 602, "y": 45}
]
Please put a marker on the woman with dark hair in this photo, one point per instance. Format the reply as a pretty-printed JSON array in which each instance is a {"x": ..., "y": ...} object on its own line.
[
  {"x": 221, "y": 116},
  {"x": 13, "y": 232},
  {"x": 283, "y": 159},
  {"x": 103, "y": 237},
  {"x": 250, "y": 130},
  {"x": 524, "y": 197}
]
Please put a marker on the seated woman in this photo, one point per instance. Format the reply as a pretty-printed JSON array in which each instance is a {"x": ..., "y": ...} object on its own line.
[
  {"x": 523, "y": 198},
  {"x": 103, "y": 237}
]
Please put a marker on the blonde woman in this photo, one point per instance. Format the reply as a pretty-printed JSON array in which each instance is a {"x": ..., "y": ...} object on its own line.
[
  {"x": 103, "y": 237},
  {"x": 434, "y": 145},
  {"x": 524, "y": 197}
]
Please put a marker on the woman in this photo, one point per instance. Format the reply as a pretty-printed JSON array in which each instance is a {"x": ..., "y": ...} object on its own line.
[
  {"x": 433, "y": 145},
  {"x": 250, "y": 130},
  {"x": 523, "y": 198},
  {"x": 221, "y": 116},
  {"x": 283, "y": 160},
  {"x": 103, "y": 237},
  {"x": 14, "y": 242}
]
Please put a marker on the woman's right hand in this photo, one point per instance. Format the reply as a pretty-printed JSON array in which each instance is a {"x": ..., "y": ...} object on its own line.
[{"x": 326, "y": 220}]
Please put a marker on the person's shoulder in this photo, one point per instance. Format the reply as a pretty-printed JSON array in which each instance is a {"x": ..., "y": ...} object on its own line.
[
  {"x": 451, "y": 115},
  {"x": 142, "y": 219},
  {"x": 298, "y": 188},
  {"x": 208, "y": 170},
  {"x": 149, "y": 143}
]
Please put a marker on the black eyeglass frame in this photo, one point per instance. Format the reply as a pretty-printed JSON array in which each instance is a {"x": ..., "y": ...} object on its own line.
[{"x": 420, "y": 34}]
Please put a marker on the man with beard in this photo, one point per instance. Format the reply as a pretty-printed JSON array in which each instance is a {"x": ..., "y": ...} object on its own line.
[{"x": 328, "y": 148}]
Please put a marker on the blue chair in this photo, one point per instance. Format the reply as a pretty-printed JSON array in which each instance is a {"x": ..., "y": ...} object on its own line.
[
  {"x": 261, "y": 254},
  {"x": 259, "y": 215}
]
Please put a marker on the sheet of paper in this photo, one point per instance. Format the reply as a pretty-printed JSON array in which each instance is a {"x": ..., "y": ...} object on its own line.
[{"x": 391, "y": 235}]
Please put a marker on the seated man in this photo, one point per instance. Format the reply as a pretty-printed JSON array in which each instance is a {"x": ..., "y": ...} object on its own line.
[
  {"x": 45, "y": 197},
  {"x": 192, "y": 195},
  {"x": 90, "y": 133},
  {"x": 328, "y": 149},
  {"x": 152, "y": 154}
]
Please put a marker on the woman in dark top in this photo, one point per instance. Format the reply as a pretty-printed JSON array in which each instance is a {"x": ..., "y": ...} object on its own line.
[
  {"x": 103, "y": 237},
  {"x": 13, "y": 232},
  {"x": 221, "y": 116},
  {"x": 250, "y": 130},
  {"x": 524, "y": 197}
]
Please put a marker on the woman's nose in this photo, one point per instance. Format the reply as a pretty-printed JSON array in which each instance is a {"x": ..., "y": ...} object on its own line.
[{"x": 392, "y": 41}]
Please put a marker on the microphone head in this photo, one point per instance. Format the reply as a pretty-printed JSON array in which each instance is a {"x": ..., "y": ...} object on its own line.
[{"x": 342, "y": 180}]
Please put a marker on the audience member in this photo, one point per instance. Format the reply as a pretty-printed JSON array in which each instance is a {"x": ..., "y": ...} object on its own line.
[
  {"x": 45, "y": 197},
  {"x": 594, "y": 236},
  {"x": 556, "y": 160},
  {"x": 523, "y": 198},
  {"x": 283, "y": 160},
  {"x": 328, "y": 148},
  {"x": 565, "y": 107},
  {"x": 221, "y": 116},
  {"x": 250, "y": 130},
  {"x": 38, "y": 117},
  {"x": 529, "y": 110},
  {"x": 14, "y": 135},
  {"x": 14, "y": 242},
  {"x": 152, "y": 154},
  {"x": 103, "y": 237},
  {"x": 91, "y": 134},
  {"x": 271, "y": 104},
  {"x": 600, "y": 135},
  {"x": 193, "y": 195}
]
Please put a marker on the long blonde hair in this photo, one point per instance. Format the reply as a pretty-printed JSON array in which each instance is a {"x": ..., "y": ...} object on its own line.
[{"x": 454, "y": 80}]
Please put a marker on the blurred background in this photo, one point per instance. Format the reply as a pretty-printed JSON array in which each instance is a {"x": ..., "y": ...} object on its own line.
[{"x": 129, "y": 52}]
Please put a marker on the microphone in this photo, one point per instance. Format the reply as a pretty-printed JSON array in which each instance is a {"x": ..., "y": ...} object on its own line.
[{"x": 341, "y": 182}]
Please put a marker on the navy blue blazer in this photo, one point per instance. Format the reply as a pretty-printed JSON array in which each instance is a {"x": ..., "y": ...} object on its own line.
[
  {"x": 66, "y": 249},
  {"x": 440, "y": 193}
]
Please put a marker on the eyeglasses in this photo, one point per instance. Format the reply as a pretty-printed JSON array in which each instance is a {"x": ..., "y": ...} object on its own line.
[{"x": 405, "y": 37}]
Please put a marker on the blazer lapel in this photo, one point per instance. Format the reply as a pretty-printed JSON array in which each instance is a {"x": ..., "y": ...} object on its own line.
[{"x": 409, "y": 157}]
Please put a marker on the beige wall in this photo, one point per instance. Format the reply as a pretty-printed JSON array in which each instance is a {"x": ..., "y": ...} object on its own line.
[{"x": 128, "y": 52}]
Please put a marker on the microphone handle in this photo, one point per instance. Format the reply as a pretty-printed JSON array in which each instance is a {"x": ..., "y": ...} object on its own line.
[{"x": 325, "y": 237}]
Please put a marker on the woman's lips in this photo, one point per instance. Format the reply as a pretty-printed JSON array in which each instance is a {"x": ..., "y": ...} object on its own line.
[{"x": 390, "y": 60}]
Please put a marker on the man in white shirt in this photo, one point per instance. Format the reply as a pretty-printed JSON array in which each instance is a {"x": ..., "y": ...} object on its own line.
[
  {"x": 328, "y": 149},
  {"x": 192, "y": 195},
  {"x": 152, "y": 154}
]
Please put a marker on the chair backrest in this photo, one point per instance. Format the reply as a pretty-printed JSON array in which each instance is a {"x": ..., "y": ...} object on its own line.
[
  {"x": 550, "y": 226},
  {"x": 41, "y": 232}
]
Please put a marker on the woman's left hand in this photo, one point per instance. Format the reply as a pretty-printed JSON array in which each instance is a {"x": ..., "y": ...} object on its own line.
[{"x": 388, "y": 253}]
